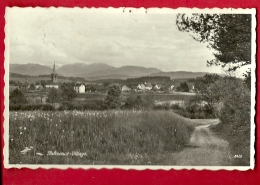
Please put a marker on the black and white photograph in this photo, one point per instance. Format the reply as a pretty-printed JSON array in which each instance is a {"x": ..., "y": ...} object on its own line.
[{"x": 129, "y": 88}]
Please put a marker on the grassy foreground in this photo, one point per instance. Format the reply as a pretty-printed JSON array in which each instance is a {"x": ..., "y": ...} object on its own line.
[{"x": 96, "y": 137}]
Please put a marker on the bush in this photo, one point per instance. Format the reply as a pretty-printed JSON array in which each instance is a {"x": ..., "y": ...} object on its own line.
[
  {"x": 54, "y": 96},
  {"x": 30, "y": 107},
  {"x": 91, "y": 105},
  {"x": 183, "y": 87},
  {"x": 190, "y": 110},
  {"x": 164, "y": 106},
  {"x": 17, "y": 97},
  {"x": 134, "y": 102},
  {"x": 112, "y": 100},
  {"x": 236, "y": 116}
]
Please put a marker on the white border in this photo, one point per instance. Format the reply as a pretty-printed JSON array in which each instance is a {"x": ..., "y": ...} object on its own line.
[{"x": 136, "y": 11}]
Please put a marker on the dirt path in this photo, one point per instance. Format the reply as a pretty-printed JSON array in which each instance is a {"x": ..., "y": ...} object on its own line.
[{"x": 205, "y": 149}]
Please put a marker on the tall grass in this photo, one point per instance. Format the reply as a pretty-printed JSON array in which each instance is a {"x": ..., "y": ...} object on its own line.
[{"x": 113, "y": 137}]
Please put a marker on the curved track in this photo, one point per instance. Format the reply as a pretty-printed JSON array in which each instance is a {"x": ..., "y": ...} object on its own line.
[{"x": 205, "y": 149}]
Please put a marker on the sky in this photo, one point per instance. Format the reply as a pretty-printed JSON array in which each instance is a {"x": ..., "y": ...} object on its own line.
[{"x": 67, "y": 36}]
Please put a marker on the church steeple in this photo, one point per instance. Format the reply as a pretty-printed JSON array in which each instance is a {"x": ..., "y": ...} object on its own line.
[
  {"x": 54, "y": 74},
  {"x": 53, "y": 67}
]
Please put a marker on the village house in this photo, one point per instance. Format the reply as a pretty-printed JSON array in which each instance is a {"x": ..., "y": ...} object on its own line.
[
  {"x": 133, "y": 89},
  {"x": 79, "y": 88},
  {"x": 49, "y": 86},
  {"x": 157, "y": 87},
  {"x": 192, "y": 89},
  {"x": 144, "y": 86},
  {"x": 171, "y": 88},
  {"x": 148, "y": 86},
  {"x": 141, "y": 87},
  {"x": 38, "y": 87},
  {"x": 125, "y": 89}
]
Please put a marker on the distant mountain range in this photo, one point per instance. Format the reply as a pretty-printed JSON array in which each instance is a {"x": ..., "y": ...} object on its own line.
[
  {"x": 30, "y": 69},
  {"x": 180, "y": 74},
  {"x": 102, "y": 71},
  {"x": 99, "y": 71}
]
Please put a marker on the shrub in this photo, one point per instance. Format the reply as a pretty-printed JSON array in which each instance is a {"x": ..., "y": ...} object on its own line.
[
  {"x": 190, "y": 110},
  {"x": 67, "y": 92},
  {"x": 54, "y": 96},
  {"x": 90, "y": 105},
  {"x": 236, "y": 115},
  {"x": 147, "y": 102},
  {"x": 183, "y": 87},
  {"x": 164, "y": 106},
  {"x": 30, "y": 107},
  {"x": 17, "y": 97},
  {"x": 134, "y": 102},
  {"x": 112, "y": 100}
]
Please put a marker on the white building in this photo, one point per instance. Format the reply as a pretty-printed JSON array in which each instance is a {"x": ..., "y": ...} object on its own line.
[
  {"x": 125, "y": 88},
  {"x": 171, "y": 87},
  {"x": 55, "y": 86},
  {"x": 79, "y": 88},
  {"x": 157, "y": 87},
  {"x": 38, "y": 87},
  {"x": 141, "y": 87},
  {"x": 148, "y": 86}
]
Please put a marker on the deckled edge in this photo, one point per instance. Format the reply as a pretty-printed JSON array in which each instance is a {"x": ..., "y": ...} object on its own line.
[
  {"x": 6, "y": 90},
  {"x": 251, "y": 11},
  {"x": 253, "y": 90}
]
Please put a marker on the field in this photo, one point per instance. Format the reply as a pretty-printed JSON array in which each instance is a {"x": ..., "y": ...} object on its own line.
[
  {"x": 91, "y": 96},
  {"x": 151, "y": 96},
  {"x": 96, "y": 137},
  {"x": 166, "y": 97}
]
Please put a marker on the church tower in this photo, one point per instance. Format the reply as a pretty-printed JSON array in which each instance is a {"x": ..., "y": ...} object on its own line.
[{"x": 54, "y": 75}]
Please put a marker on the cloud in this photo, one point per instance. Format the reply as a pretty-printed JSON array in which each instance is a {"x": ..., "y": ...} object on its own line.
[{"x": 75, "y": 36}]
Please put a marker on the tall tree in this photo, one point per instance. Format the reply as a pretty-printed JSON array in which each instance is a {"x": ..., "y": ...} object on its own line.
[
  {"x": 183, "y": 87},
  {"x": 32, "y": 86},
  {"x": 207, "y": 90},
  {"x": 229, "y": 35},
  {"x": 43, "y": 83},
  {"x": 67, "y": 92},
  {"x": 53, "y": 96},
  {"x": 17, "y": 97},
  {"x": 112, "y": 99}
]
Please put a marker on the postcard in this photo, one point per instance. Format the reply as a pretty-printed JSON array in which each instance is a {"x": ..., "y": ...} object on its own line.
[{"x": 129, "y": 88}]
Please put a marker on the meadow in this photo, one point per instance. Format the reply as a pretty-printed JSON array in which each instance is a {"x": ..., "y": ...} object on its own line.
[
  {"x": 96, "y": 137},
  {"x": 151, "y": 96}
]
